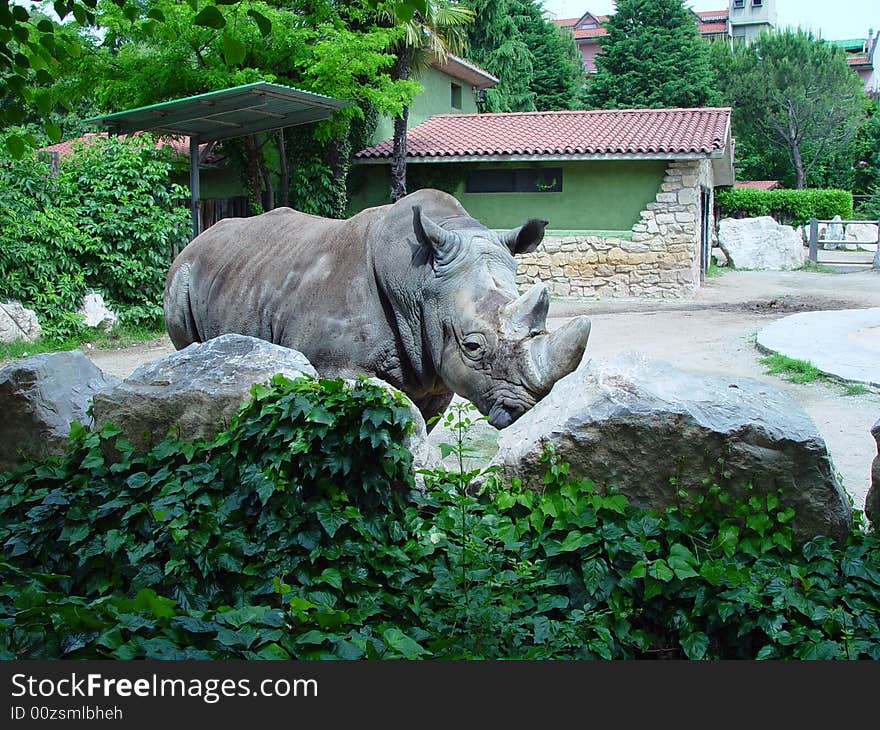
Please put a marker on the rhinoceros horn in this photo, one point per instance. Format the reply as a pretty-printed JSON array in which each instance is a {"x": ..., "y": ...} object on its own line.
[
  {"x": 528, "y": 313},
  {"x": 445, "y": 244},
  {"x": 553, "y": 356}
]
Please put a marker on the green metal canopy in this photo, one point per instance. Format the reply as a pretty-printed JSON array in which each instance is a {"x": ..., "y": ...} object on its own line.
[
  {"x": 218, "y": 115},
  {"x": 233, "y": 112}
]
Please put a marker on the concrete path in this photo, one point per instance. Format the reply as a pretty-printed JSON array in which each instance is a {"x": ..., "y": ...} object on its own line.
[{"x": 843, "y": 344}]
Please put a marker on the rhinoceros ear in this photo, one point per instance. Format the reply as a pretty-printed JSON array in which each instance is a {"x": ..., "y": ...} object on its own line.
[
  {"x": 444, "y": 244},
  {"x": 526, "y": 238}
]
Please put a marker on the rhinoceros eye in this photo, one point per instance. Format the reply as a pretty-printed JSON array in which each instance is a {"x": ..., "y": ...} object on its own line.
[{"x": 474, "y": 345}]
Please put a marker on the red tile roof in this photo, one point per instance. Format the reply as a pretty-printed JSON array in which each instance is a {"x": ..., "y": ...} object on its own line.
[
  {"x": 179, "y": 144},
  {"x": 858, "y": 59},
  {"x": 597, "y": 132},
  {"x": 758, "y": 184}
]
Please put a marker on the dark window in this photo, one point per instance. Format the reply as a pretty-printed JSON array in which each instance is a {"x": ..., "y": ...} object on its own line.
[
  {"x": 515, "y": 180},
  {"x": 757, "y": 2},
  {"x": 455, "y": 96},
  {"x": 739, "y": 3}
]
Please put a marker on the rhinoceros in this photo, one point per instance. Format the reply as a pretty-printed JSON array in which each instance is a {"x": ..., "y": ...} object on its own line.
[{"x": 416, "y": 293}]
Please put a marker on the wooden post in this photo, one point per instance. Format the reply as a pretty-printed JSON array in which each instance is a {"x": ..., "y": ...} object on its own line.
[
  {"x": 814, "y": 240},
  {"x": 194, "y": 183}
]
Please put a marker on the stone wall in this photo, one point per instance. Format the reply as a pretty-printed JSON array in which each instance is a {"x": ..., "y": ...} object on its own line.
[{"x": 659, "y": 257}]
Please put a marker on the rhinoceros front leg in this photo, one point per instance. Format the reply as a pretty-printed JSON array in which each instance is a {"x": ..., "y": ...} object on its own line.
[{"x": 433, "y": 405}]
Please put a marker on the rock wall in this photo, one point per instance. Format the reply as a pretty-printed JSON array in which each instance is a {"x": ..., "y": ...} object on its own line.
[{"x": 659, "y": 258}]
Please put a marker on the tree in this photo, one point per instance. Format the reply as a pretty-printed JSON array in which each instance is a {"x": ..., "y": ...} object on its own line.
[
  {"x": 33, "y": 53},
  {"x": 794, "y": 96},
  {"x": 495, "y": 42},
  {"x": 652, "y": 57},
  {"x": 537, "y": 63},
  {"x": 433, "y": 34},
  {"x": 315, "y": 46},
  {"x": 557, "y": 66}
]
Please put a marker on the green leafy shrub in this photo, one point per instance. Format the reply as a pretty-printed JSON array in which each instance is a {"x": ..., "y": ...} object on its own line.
[
  {"x": 119, "y": 193},
  {"x": 107, "y": 222},
  {"x": 789, "y": 207},
  {"x": 292, "y": 535}
]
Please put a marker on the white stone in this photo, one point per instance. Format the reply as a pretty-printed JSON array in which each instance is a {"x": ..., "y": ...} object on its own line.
[
  {"x": 95, "y": 313},
  {"x": 17, "y": 323},
  {"x": 760, "y": 243},
  {"x": 861, "y": 232}
]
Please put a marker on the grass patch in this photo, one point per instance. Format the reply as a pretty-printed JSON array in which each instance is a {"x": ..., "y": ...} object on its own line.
[
  {"x": 797, "y": 371},
  {"x": 715, "y": 270},
  {"x": 119, "y": 336},
  {"x": 856, "y": 389},
  {"x": 818, "y": 268}
]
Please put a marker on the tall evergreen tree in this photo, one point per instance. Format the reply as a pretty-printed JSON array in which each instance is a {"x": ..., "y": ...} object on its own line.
[
  {"x": 558, "y": 68},
  {"x": 652, "y": 57},
  {"x": 495, "y": 42},
  {"x": 537, "y": 64}
]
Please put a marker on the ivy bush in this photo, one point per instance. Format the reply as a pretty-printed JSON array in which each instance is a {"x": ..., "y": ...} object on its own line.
[
  {"x": 789, "y": 207},
  {"x": 107, "y": 221},
  {"x": 295, "y": 533}
]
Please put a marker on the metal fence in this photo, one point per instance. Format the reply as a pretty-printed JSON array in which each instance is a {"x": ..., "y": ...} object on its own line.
[{"x": 832, "y": 243}]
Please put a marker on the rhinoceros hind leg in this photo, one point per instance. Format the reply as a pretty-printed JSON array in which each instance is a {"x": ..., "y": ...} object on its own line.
[
  {"x": 179, "y": 321},
  {"x": 433, "y": 405}
]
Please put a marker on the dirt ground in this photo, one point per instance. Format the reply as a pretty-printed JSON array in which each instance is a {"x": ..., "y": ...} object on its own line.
[{"x": 713, "y": 331}]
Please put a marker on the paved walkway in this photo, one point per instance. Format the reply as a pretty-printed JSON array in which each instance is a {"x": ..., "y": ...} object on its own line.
[{"x": 843, "y": 344}]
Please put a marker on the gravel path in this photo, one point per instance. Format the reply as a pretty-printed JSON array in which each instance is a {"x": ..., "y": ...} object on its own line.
[{"x": 712, "y": 332}]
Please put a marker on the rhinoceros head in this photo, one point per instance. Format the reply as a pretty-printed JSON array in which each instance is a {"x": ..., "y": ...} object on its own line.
[{"x": 490, "y": 345}]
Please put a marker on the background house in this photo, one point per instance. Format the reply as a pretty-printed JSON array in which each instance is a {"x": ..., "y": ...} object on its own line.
[
  {"x": 628, "y": 193},
  {"x": 741, "y": 21},
  {"x": 861, "y": 55}
]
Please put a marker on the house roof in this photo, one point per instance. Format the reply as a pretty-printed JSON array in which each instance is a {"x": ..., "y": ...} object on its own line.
[
  {"x": 709, "y": 22},
  {"x": 661, "y": 133},
  {"x": 179, "y": 144},
  {"x": 758, "y": 184},
  {"x": 464, "y": 70}
]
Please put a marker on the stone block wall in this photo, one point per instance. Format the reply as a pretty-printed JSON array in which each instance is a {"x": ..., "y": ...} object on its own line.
[{"x": 660, "y": 257}]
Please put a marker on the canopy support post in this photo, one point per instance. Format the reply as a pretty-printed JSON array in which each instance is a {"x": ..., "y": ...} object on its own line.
[{"x": 194, "y": 183}]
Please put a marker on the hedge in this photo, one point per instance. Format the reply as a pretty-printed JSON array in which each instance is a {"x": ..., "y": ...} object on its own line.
[{"x": 789, "y": 207}]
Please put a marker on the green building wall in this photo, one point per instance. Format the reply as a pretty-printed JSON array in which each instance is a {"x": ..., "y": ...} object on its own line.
[
  {"x": 435, "y": 99},
  {"x": 600, "y": 195}
]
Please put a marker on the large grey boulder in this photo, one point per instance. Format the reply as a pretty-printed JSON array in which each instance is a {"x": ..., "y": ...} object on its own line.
[
  {"x": 194, "y": 391},
  {"x": 40, "y": 397},
  {"x": 649, "y": 430},
  {"x": 17, "y": 323},
  {"x": 760, "y": 243},
  {"x": 872, "y": 501}
]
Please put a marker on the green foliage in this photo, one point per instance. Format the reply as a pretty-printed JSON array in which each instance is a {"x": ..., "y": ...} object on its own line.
[
  {"x": 794, "y": 207},
  {"x": 107, "y": 221},
  {"x": 291, "y": 535},
  {"x": 36, "y": 51},
  {"x": 537, "y": 64},
  {"x": 797, "y": 103},
  {"x": 652, "y": 57}
]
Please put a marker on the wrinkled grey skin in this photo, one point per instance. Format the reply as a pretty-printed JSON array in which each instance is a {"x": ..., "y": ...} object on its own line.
[{"x": 417, "y": 293}]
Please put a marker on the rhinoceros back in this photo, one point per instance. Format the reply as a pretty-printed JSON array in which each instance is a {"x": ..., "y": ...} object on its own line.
[{"x": 287, "y": 277}]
